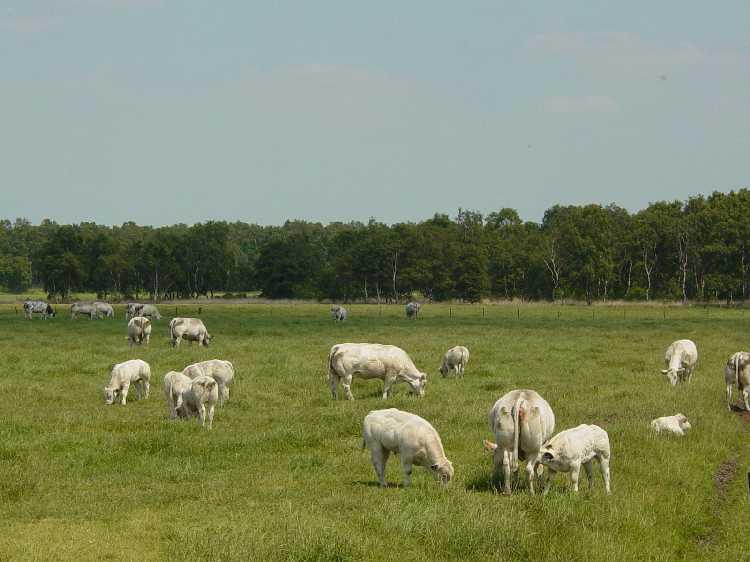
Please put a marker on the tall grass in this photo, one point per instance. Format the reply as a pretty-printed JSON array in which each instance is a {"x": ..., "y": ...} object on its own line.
[{"x": 282, "y": 475}]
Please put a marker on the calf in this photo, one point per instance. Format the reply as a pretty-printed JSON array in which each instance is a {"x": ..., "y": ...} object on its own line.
[
  {"x": 412, "y": 438},
  {"x": 570, "y": 449},
  {"x": 676, "y": 424},
  {"x": 134, "y": 372},
  {"x": 455, "y": 359},
  {"x": 737, "y": 372},
  {"x": 186, "y": 397}
]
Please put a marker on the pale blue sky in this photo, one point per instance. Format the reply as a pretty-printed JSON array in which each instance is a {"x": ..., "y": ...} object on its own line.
[{"x": 164, "y": 111}]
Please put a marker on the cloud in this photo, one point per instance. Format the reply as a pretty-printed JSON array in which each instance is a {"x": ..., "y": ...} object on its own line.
[{"x": 580, "y": 104}]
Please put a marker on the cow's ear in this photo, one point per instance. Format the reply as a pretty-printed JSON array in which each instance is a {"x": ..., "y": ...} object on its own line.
[
  {"x": 548, "y": 456},
  {"x": 434, "y": 467},
  {"x": 664, "y": 371}
]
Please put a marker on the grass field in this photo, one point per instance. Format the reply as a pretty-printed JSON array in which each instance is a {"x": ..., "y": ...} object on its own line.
[{"x": 282, "y": 475}]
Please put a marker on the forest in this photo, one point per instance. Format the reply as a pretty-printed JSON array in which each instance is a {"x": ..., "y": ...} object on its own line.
[{"x": 694, "y": 250}]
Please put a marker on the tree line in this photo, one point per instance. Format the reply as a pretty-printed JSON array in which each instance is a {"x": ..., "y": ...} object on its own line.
[{"x": 693, "y": 250}]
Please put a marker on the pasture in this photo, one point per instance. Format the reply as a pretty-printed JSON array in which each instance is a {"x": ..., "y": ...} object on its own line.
[{"x": 282, "y": 475}]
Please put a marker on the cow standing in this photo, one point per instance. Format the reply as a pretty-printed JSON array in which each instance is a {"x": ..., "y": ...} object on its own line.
[
  {"x": 737, "y": 372},
  {"x": 412, "y": 310},
  {"x": 570, "y": 449},
  {"x": 191, "y": 329},
  {"x": 338, "y": 313},
  {"x": 680, "y": 360},
  {"x": 38, "y": 307}
]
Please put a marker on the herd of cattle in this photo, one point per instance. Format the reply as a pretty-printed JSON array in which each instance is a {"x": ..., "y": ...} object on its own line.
[{"x": 522, "y": 421}]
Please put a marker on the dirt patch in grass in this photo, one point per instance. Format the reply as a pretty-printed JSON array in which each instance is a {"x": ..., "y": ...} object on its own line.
[{"x": 724, "y": 475}]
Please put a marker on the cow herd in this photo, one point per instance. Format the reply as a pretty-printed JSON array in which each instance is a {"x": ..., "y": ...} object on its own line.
[{"x": 521, "y": 421}]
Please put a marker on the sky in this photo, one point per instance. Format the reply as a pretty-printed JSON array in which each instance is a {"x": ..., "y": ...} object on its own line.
[{"x": 181, "y": 111}]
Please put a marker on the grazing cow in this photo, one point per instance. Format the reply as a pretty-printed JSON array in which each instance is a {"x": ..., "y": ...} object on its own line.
[
  {"x": 139, "y": 309},
  {"x": 84, "y": 309},
  {"x": 737, "y": 372},
  {"x": 134, "y": 372},
  {"x": 522, "y": 421},
  {"x": 680, "y": 360},
  {"x": 221, "y": 371},
  {"x": 38, "y": 307},
  {"x": 389, "y": 363},
  {"x": 412, "y": 438},
  {"x": 412, "y": 310},
  {"x": 104, "y": 309},
  {"x": 191, "y": 329},
  {"x": 139, "y": 330},
  {"x": 186, "y": 397},
  {"x": 570, "y": 449},
  {"x": 338, "y": 313},
  {"x": 676, "y": 424},
  {"x": 455, "y": 359}
]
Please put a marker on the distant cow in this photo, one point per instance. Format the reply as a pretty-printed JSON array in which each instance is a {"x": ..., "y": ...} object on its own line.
[
  {"x": 139, "y": 309},
  {"x": 104, "y": 309},
  {"x": 139, "y": 330},
  {"x": 737, "y": 372},
  {"x": 389, "y": 363},
  {"x": 412, "y": 438},
  {"x": 455, "y": 359},
  {"x": 191, "y": 329},
  {"x": 338, "y": 313},
  {"x": 412, "y": 310},
  {"x": 570, "y": 449},
  {"x": 680, "y": 360},
  {"x": 38, "y": 307},
  {"x": 84, "y": 309},
  {"x": 221, "y": 371},
  {"x": 135, "y": 372},
  {"x": 676, "y": 424},
  {"x": 522, "y": 421},
  {"x": 186, "y": 397}
]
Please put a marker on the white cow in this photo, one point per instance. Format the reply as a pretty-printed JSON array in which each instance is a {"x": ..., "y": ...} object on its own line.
[
  {"x": 412, "y": 438},
  {"x": 676, "y": 424},
  {"x": 680, "y": 360},
  {"x": 140, "y": 309},
  {"x": 104, "y": 309},
  {"x": 135, "y": 372},
  {"x": 522, "y": 421},
  {"x": 84, "y": 309},
  {"x": 191, "y": 329},
  {"x": 38, "y": 307},
  {"x": 389, "y": 363},
  {"x": 455, "y": 359},
  {"x": 186, "y": 397},
  {"x": 737, "y": 372},
  {"x": 139, "y": 330},
  {"x": 339, "y": 313},
  {"x": 412, "y": 310},
  {"x": 221, "y": 371},
  {"x": 570, "y": 449}
]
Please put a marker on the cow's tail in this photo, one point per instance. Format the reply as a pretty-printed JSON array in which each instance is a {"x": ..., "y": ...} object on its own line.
[
  {"x": 516, "y": 431},
  {"x": 331, "y": 356},
  {"x": 171, "y": 330}
]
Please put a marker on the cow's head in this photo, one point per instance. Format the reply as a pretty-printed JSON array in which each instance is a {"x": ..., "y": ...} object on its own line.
[
  {"x": 110, "y": 395},
  {"x": 418, "y": 384},
  {"x": 673, "y": 375},
  {"x": 684, "y": 423},
  {"x": 444, "y": 368},
  {"x": 206, "y": 339},
  {"x": 547, "y": 455},
  {"x": 443, "y": 471}
]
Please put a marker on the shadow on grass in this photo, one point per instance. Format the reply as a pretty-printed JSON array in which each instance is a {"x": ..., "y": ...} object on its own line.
[{"x": 374, "y": 484}]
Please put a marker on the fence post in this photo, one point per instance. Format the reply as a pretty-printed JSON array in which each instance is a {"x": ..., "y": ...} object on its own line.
[
  {"x": 175, "y": 311},
  {"x": 450, "y": 312},
  {"x": 484, "y": 312},
  {"x": 200, "y": 310},
  {"x": 558, "y": 315},
  {"x": 518, "y": 313}
]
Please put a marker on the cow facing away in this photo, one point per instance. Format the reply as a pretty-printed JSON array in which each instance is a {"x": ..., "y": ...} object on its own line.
[
  {"x": 676, "y": 424},
  {"x": 139, "y": 330},
  {"x": 38, "y": 307},
  {"x": 522, "y": 421},
  {"x": 388, "y": 363},
  {"x": 412, "y": 438},
  {"x": 135, "y": 372},
  {"x": 191, "y": 397},
  {"x": 737, "y": 372},
  {"x": 191, "y": 329},
  {"x": 84, "y": 309},
  {"x": 680, "y": 360},
  {"x": 412, "y": 310},
  {"x": 570, "y": 449},
  {"x": 455, "y": 359},
  {"x": 104, "y": 309},
  {"x": 221, "y": 371},
  {"x": 338, "y": 313}
]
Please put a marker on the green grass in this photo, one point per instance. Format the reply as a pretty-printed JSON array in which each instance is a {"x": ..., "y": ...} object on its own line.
[{"x": 282, "y": 475}]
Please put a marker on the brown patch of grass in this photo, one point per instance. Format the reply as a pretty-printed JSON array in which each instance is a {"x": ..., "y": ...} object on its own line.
[{"x": 724, "y": 475}]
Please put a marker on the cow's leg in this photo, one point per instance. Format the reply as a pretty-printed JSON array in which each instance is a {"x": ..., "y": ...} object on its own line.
[
  {"x": 202, "y": 414},
  {"x": 604, "y": 466},
  {"x": 146, "y": 387},
  {"x": 406, "y": 468},
  {"x": 138, "y": 385},
  {"x": 148, "y": 337},
  {"x": 729, "y": 397},
  {"x": 124, "y": 393},
  {"x": 387, "y": 384},
  {"x": 347, "y": 384},
  {"x": 689, "y": 373},
  {"x": 379, "y": 455},
  {"x": 506, "y": 472},
  {"x": 575, "y": 471},
  {"x": 589, "y": 475},
  {"x": 210, "y": 415},
  {"x": 333, "y": 380},
  {"x": 548, "y": 483},
  {"x": 746, "y": 396},
  {"x": 530, "y": 466}
]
